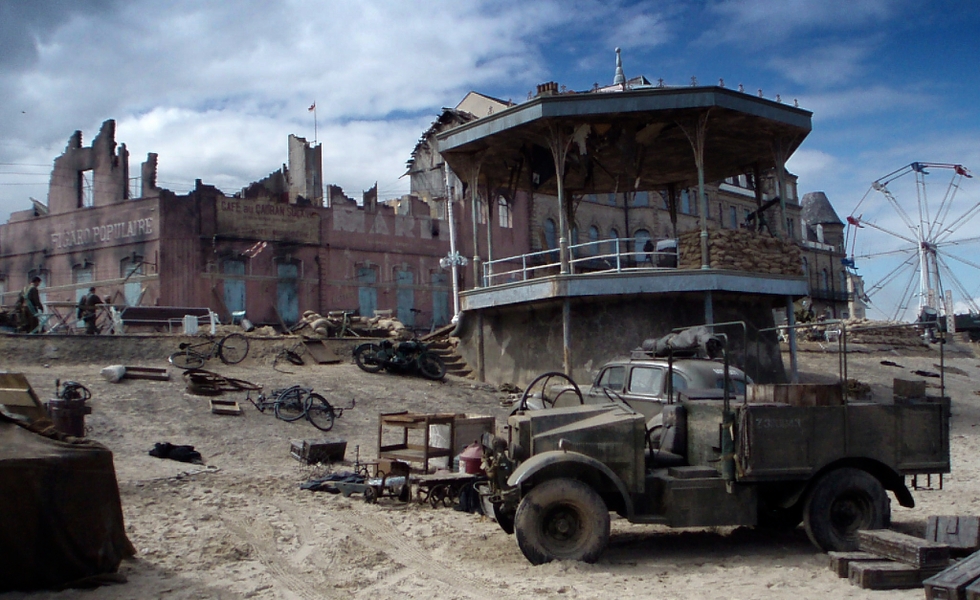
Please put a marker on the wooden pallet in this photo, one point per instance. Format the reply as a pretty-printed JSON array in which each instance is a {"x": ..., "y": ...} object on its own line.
[{"x": 151, "y": 373}]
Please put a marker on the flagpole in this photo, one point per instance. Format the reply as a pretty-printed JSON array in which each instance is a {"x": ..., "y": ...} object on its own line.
[{"x": 314, "y": 122}]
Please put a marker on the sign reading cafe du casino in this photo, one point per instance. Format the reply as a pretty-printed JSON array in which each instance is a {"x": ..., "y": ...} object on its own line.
[
  {"x": 103, "y": 233},
  {"x": 269, "y": 221}
]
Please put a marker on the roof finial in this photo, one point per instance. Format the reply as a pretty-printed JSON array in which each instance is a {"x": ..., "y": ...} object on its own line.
[{"x": 619, "y": 79}]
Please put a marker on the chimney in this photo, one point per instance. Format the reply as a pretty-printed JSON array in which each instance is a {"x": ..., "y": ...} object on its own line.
[{"x": 548, "y": 89}]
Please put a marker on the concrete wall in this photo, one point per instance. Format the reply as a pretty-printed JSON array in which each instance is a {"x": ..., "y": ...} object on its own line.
[{"x": 519, "y": 343}]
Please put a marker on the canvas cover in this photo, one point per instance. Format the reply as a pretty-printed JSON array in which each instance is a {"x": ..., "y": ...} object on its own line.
[{"x": 61, "y": 520}]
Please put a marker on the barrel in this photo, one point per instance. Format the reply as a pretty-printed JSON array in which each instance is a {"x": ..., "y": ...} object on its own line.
[{"x": 68, "y": 416}]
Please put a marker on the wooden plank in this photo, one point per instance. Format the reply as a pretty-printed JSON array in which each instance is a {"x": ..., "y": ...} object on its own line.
[
  {"x": 225, "y": 407},
  {"x": 321, "y": 352},
  {"x": 905, "y": 548},
  {"x": 152, "y": 373},
  {"x": 840, "y": 561},
  {"x": 951, "y": 584},
  {"x": 959, "y": 533},
  {"x": 887, "y": 575}
]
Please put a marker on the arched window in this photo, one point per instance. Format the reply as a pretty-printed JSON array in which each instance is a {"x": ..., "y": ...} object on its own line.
[
  {"x": 593, "y": 240},
  {"x": 504, "y": 216},
  {"x": 642, "y": 237},
  {"x": 550, "y": 234},
  {"x": 613, "y": 236},
  {"x": 825, "y": 279}
]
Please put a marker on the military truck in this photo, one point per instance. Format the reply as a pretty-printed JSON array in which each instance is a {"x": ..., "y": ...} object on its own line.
[{"x": 812, "y": 457}]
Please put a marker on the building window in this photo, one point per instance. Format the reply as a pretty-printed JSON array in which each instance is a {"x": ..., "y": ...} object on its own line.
[
  {"x": 641, "y": 199},
  {"x": 593, "y": 240},
  {"x": 733, "y": 217},
  {"x": 613, "y": 236},
  {"x": 550, "y": 231},
  {"x": 843, "y": 281},
  {"x": 504, "y": 216},
  {"x": 825, "y": 279},
  {"x": 642, "y": 237},
  {"x": 132, "y": 269},
  {"x": 790, "y": 229},
  {"x": 481, "y": 211},
  {"x": 592, "y": 198},
  {"x": 611, "y": 199}
]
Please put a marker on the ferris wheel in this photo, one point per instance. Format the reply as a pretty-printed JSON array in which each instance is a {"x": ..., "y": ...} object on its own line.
[{"x": 913, "y": 234}]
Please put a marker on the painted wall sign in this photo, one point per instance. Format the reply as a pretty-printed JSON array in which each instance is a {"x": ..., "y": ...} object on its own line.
[
  {"x": 268, "y": 221},
  {"x": 102, "y": 234}
]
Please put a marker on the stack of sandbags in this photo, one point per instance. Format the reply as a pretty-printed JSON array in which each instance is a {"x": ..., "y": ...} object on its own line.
[
  {"x": 741, "y": 250},
  {"x": 888, "y": 333}
]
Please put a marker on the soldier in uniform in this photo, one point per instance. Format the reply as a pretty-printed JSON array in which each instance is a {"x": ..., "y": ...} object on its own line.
[{"x": 29, "y": 305}]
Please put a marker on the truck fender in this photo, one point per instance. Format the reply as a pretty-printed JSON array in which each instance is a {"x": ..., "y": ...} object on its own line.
[{"x": 539, "y": 462}]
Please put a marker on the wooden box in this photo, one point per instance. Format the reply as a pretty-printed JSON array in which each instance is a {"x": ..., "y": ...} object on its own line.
[
  {"x": 908, "y": 549},
  {"x": 959, "y": 533},
  {"x": 952, "y": 583},
  {"x": 887, "y": 575},
  {"x": 796, "y": 394},
  {"x": 318, "y": 451},
  {"x": 841, "y": 561}
]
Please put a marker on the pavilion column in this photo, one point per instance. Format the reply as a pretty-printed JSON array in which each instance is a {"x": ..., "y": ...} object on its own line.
[
  {"x": 696, "y": 136},
  {"x": 474, "y": 203},
  {"x": 559, "y": 142}
]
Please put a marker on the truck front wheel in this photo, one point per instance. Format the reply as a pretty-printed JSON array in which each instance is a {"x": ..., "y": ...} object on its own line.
[
  {"x": 842, "y": 502},
  {"x": 562, "y": 519}
]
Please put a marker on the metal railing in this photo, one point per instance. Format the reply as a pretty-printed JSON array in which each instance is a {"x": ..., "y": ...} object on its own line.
[{"x": 583, "y": 258}]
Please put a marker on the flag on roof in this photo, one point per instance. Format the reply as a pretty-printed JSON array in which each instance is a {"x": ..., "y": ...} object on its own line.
[
  {"x": 312, "y": 107},
  {"x": 854, "y": 221},
  {"x": 961, "y": 170}
]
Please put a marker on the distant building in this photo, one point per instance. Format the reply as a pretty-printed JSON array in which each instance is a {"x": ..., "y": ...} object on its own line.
[{"x": 274, "y": 250}]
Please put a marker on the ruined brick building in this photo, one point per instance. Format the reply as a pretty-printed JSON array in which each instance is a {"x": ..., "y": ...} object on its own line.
[{"x": 274, "y": 250}]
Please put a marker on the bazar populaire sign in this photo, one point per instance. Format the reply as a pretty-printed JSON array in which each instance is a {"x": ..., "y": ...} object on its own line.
[
  {"x": 103, "y": 233},
  {"x": 269, "y": 221}
]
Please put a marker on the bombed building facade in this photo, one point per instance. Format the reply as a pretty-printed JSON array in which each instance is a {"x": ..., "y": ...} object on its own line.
[{"x": 274, "y": 250}]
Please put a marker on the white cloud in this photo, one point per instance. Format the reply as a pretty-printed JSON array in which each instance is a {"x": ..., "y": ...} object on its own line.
[
  {"x": 826, "y": 65},
  {"x": 761, "y": 23}
]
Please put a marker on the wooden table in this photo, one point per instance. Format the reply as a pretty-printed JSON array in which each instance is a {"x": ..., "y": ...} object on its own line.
[{"x": 411, "y": 451}]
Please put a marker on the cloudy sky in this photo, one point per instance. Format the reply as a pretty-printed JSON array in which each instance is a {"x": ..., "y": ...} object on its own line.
[{"x": 216, "y": 87}]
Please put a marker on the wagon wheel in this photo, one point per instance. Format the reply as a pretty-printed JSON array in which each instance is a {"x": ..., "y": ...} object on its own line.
[
  {"x": 440, "y": 494},
  {"x": 370, "y": 494},
  {"x": 422, "y": 495}
]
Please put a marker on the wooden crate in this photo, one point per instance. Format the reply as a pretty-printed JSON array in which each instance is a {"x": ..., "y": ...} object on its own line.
[
  {"x": 225, "y": 407},
  {"x": 961, "y": 534},
  {"x": 952, "y": 583},
  {"x": 840, "y": 561},
  {"x": 887, "y": 575},
  {"x": 318, "y": 451},
  {"x": 796, "y": 394},
  {"x": 901, "y": 547}
]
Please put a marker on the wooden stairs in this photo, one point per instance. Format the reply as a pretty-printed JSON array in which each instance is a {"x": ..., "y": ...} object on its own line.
[{"x": 440, "y": 343}]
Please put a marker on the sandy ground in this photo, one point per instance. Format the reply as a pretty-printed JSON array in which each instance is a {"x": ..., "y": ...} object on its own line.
[{"x": 240, "y": 526}]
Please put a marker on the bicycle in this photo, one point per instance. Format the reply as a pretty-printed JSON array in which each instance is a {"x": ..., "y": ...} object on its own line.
[
  {"x": 231, "y": 349},
  {"x": 295, "y": 402}
]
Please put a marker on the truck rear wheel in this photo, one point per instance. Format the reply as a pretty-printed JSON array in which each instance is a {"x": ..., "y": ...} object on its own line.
[
  {"x": 842, "y": 502},
  {"x": 562, "y": 519}
]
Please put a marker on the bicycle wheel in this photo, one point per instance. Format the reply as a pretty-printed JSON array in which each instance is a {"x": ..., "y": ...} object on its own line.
[
  {"x": 186, "y": 359},
  {"x": 291, "y": 404},
  {"x": 320, "y": 413},
  {"x": 431, "y": 366},
  {"x": 233, "y": 348},
  {"x": 366, "y": 357}
]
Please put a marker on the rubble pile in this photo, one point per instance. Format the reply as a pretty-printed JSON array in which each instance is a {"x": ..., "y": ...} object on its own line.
[
  {"x": 741, "y": 250},
  {"x": 332, "y": 325},
  {"x": 864, "y": 331}
]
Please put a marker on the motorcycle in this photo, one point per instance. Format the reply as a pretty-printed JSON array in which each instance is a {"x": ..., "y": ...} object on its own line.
[{"x": 407, "y": 356}]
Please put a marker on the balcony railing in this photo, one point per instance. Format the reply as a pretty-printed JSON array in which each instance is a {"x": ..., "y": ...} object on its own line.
[{"x": 583, "y": 258}]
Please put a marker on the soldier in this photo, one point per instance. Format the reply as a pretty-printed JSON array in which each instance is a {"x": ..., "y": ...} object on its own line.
[
  {"x": 88, "y": 310},
  {"x": 29, "y": 305}
]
